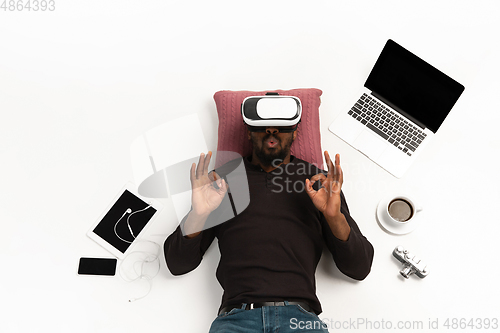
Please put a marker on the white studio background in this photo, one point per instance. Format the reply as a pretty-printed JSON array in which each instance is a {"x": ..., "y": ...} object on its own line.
[{"x": 80, "y": 83}]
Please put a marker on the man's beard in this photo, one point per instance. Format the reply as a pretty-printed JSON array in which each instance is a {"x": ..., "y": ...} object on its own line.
[{"x": 275, "y": 156}]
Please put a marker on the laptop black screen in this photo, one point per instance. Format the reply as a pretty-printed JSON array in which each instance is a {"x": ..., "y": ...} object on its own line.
[{"x": 414, "y": 86}]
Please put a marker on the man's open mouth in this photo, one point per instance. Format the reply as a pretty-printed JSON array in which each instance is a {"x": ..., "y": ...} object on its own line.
[{"x": 271, "y": 142}]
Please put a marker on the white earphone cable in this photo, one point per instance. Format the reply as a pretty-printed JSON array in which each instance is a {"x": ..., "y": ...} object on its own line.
[
  {"x": 128, "y": 223},
  {"x": 149, "y": 257},
  {"x": 141, "y": 275}
]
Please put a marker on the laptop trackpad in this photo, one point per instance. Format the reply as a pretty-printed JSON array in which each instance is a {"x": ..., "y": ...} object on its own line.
[{"x": 370, "y": 144}]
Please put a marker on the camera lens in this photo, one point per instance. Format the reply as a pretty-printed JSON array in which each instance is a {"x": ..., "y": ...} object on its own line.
[{"x": 406, "y": 271}]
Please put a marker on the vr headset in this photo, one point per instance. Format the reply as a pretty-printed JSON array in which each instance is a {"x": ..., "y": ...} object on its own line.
[{"x": 283, "y": 112}]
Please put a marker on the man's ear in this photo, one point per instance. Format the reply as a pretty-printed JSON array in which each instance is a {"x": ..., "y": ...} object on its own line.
[
  {"x": 249, "y": 135},
  {"x": 294, "y": 135}
]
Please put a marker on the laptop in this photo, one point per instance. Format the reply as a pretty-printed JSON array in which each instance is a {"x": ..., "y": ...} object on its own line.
[{"x": 403, "y": 103}]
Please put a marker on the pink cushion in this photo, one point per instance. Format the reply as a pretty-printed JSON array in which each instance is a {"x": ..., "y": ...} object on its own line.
[{"x": 232, "y": 130}]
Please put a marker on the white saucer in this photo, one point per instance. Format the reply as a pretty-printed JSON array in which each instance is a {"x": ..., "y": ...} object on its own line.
[{"x": 392, "y": 227}]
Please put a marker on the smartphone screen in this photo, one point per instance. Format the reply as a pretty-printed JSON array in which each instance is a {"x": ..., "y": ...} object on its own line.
[{"x": 97, "y": 266}]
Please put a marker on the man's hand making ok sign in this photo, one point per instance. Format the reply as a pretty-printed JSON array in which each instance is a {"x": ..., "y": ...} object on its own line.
[{"x": 327, "y": 199}]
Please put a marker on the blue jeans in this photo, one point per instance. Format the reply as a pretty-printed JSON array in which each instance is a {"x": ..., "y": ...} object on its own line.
[{"x": 268, "y": 319}]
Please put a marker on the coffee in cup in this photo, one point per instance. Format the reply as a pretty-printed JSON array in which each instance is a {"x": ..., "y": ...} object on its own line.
[
  {"x": 398, "y": 214},
  {"x": 400, "y": 210}
]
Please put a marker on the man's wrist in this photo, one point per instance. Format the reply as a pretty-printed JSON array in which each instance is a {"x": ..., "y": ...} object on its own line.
[
  {"x": 194, "y": 224},
  {"x": 198, "y": 217},
  {"x": 339, "y": 226}
]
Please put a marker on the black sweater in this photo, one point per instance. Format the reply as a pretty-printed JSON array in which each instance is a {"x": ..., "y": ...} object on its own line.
[{"x": 269, "y": 252}]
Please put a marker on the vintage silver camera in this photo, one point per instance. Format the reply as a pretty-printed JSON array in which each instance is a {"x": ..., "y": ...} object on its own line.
[{"x": 411, "y": 263}]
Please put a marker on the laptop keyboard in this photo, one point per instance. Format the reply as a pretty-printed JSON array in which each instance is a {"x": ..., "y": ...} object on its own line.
[{"x": 388, "y": 124}]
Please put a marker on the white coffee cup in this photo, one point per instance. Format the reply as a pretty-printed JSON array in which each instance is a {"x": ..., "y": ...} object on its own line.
[
  {"x": 398, "y": 214},
  {"x": 402, "y": 209}
]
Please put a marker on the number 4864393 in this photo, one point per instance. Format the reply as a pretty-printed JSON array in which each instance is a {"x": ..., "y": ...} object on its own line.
[{"x": 28, "y": 5}]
